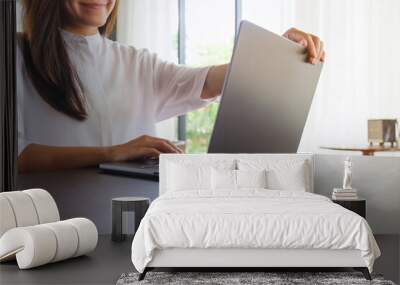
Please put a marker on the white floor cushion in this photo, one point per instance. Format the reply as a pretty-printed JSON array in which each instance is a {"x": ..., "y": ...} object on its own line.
[
  {"x": 23, "y": 208},
  {"x": 7, "y": 220},
  {"x": 45, "y": 205},
  {"x": 87, "y": 233},
  {"x": 32, "y": 246},
  {"x": 67, "y": 239},
  {"x": 41, "y": 244},
  {"x": 31, "y": 233}
]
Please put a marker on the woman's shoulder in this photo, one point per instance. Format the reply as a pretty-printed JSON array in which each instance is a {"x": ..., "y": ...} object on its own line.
[{"x": 129, "y": 52}]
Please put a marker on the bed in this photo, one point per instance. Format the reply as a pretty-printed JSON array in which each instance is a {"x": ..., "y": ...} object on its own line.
[{"x": 247, "y": 211}]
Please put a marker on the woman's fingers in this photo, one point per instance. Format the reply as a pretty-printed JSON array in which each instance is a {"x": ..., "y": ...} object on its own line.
[
  {"x": 319, "y": 46},
  {"x": 321, "y": 52},
  {"x": 165, "y": 146},
  {"x": 177, "y": 149},
  {"x": 150, "y": 152},
  {"x": 162, "y": 145},
  {"x": 312, "y": 48},
  {"x": 323, "y": 56},
  {"x": 313, "y": 45}
]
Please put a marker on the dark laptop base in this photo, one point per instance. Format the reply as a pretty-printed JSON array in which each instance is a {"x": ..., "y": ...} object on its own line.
[{"x": 146, "y": 169}]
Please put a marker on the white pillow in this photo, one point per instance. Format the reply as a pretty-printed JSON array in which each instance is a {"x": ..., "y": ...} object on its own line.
[
  {"x": 182, "y": 177},
  {"x": 287, "y": 179},
  {"x": 223, "y": 179},
  {"x": 226, "y": 179},
  {"x": 291, "y": 175},
  {"x": 251, "y": 178}
]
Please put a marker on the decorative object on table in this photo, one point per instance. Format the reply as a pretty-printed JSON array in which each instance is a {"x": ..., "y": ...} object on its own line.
[
  {"x": 346, "y": 192},
  {"x": 247, "y": 278},
  {"x": 348, "y": 175},
  {"x": 382, "y": 131},
  {"x": 31, "y": 231},
  {"x": 357, "y": 206},
  {"x": 123, "y": 209}
]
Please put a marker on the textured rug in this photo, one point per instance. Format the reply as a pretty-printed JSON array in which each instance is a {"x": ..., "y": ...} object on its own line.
[{"x": 268, "y": 278}]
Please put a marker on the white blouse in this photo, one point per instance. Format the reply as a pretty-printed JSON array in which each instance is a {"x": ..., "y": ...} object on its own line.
[{"x": 127, "y": 92}]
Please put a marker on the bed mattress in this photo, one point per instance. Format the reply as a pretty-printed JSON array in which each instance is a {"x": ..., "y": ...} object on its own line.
[{"x": 250, "y": 219}]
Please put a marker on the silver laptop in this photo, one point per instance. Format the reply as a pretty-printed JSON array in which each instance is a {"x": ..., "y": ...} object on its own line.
[
  {"x": 267, "y": 95},
  {"x": 266, "y": 99}
]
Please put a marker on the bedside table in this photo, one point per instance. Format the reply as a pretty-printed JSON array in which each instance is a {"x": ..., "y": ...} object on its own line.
[{"x": 358, "y": 206}]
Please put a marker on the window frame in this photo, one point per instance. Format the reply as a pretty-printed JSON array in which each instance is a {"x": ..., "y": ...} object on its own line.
[
  {"x": 8, "y": 109},
  {"x": 182, "y": 49}
]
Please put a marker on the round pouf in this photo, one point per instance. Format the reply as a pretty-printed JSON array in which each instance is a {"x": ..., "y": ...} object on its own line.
[{"x": 138, "y": 205}]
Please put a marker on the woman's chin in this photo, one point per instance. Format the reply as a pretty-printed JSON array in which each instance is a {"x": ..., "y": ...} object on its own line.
[{"x": 95, "y": 23}]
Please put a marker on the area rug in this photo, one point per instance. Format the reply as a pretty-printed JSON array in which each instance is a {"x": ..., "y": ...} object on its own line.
[{"x": 244, "y": 278}]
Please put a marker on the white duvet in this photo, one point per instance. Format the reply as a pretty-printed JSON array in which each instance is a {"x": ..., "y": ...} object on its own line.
[{"x": 250, "y": 218}]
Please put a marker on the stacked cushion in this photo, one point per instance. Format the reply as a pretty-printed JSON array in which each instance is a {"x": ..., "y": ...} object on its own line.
[
  {"x": 27, "y": 208},
  {"x": 7, "y": 218}
]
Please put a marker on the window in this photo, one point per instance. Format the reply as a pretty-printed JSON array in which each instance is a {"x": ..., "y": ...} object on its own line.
[{"x": 209, "y": 38}]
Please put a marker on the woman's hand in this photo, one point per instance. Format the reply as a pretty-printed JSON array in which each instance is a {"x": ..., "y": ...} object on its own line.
[
  {"x": 313, "y": 45},
  {"x": 142, "y": 147}
]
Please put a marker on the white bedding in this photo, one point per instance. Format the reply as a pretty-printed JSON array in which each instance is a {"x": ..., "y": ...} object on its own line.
[{"x": 251, "y": 218}]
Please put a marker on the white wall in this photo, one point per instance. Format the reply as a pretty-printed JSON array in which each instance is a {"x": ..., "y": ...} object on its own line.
[
  {"x": 376, "y": 178},
  {"x": 360, "y": 79}
]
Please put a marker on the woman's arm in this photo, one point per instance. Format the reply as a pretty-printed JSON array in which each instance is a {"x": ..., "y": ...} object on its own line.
[
  {"x": 214, "y": 81},
  {"x": 37, "y": 158},
  {"x": 216, "y": 75}
]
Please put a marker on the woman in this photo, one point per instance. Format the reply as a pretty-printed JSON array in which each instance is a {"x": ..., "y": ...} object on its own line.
[{"x": 85, "y": 100}]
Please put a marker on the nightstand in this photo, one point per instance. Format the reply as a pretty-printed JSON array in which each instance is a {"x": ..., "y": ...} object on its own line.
[{"x": 358, "y": 206}]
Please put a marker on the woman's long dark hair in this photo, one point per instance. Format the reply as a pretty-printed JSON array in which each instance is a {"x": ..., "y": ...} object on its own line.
[{"x": 46, "y": 59}]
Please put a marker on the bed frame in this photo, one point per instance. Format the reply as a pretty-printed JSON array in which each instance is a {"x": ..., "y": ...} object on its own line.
[
  {"x": 242, "y": 259},
  {"x": 256, "y": 259}
]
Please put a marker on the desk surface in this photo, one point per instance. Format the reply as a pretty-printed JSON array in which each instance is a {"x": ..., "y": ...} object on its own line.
[
  {"x": 88, "y": 192},
  {"x": 103, "y": 266}
]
